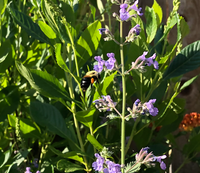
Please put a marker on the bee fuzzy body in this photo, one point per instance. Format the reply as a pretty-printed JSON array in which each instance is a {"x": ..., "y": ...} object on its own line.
[{"x": 89, "y": 79}]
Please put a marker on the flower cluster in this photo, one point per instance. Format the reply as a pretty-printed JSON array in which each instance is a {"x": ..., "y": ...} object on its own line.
[
  {"x": 102, "y": 64},
  {"x": 144, "y": 109},
  {"x": 133, "y": 33},
  {"x": 28, "y": 170},
  {"x": 141, "y": 62},
  {"x": 124, "y": 11},
  {"x": 147, "y": 159},
  {"x": 104, "y": 103},
  {"x": 105, "y": 165},
  {"x": 190, "y": 121}
]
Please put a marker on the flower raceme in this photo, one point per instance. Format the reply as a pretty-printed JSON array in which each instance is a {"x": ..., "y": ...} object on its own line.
[
  {"x": 144, "y": 109},
  {"x": 102, "y": 64},
  {"x": 102, "y": 164},
  {"x": 104, "y": 103},
  {"x": 141, "y": 62},
  {"x": 124, "y": 11}
]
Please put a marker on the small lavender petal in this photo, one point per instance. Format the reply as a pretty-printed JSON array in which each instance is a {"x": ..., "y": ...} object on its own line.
[
  {"x": 98, "y": 165},
  {"x": 163, "y": 165},
  {"x": 103, "y": 30},
  {"x": 98, "y": 58},
  {"x": 123, "y": 6},
  {"x": 110, "y": 55},
  {"x": 137, "y": 102},
  {"x": 28, "y": 170}
]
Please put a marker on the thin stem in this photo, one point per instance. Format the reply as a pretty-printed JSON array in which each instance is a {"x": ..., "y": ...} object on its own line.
[{"x": 123, "y": 98}]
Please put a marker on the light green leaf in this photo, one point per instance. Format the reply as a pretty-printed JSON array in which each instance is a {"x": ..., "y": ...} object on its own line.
[
  {"x": 3, "y": 4},
  {"x": 27, "y": 127},
  {"x": 86, "y": 117},
  {"x": 94, "y": 142},
  {"x": 47, "y": 30},
  {"x": 151, "y": 24},
  {"x": 158, "y": 11},
  {"x": 88, "y": 42}
]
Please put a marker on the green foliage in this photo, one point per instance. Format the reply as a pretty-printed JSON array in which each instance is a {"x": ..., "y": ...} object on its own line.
[{"x": 47, "y": 46}]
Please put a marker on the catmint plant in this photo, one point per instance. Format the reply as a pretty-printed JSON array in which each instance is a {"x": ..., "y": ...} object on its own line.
[{"x": 139, "y": 109}]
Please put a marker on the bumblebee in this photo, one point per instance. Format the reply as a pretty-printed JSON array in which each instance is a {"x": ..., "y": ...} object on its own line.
[{"x": 89, "y": 79}]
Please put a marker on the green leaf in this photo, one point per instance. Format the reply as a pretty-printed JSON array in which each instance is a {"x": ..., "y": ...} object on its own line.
[
  {"x": 48, "y": 116},
  {"x": 151, "y": 24},
  {"x": 88, "y": 42},
  {"x": 47, "y": 30},
  {"x": 29, "y": 26},
  {"x": 158, "y": 11},
  {"x": 190, "y": 81},
  {"x": 6, "y": 155},
  {"x": 27, "y": 127},
  {"x": 94, "y": 142},
  {"x": 86, "y": 117},
  {"x": 9, "y": 101},
  {"x": 187, "y": 60},
  {"x": 192, "y": 145},
  {"x": 68, "y": 155},
  {"x": 3, "y": 4},
  {"x": 61, "y": 62},
  {"x": 44, "y": 83},
  {"x": 6, "y": 56},
  {"x": 67, "y": 166}
]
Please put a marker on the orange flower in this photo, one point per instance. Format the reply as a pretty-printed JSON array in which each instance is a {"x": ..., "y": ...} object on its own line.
[{"x": 190, "y": 121}]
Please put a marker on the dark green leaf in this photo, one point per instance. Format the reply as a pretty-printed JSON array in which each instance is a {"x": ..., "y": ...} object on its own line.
[
  {"x": 187, "y": 60},
  {"x": 29, "y": 26},
  {"x": 192, "y": 145},
  {"x": 48, "y": 116},
  {"x": 68, "y": 155},
  {"x": 9, "y": 101}
]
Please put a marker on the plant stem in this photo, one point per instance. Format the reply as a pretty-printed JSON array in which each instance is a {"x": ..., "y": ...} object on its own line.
[{"x": 123, "y": 98}]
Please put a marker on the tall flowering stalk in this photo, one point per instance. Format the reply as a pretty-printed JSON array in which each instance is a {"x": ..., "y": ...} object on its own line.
[{"x": 139, "y": 109}]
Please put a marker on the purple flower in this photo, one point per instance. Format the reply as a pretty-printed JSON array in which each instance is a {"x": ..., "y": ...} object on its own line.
[
  {"x": 135, "y": 30},
  {"x": 134, "y": 7},
  {"x": 103, "y": 31},
  {"x": 142, "y": 61},
  {"x": 38, "y": 172},
  {"x": 113, "y": 167},
  {"x": 124, "y": 15},
  {"x": 109, "y": 64},
  {"x": 28, "y": 170},
  {"x": 137, "y": 102},
  {"x": 151, "y": 109},
  {"x": 98, "y": 165},
  {"x": 105, "y": 103},
  {"x": 158, "y": 159}
]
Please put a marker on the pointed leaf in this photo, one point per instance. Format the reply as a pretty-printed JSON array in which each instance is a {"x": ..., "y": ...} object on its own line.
[
  {"x": 158, "y": 11},
  {"x": 47, "y": 30},
  {"x": 88, "y": 42},
  {"x": 67, "y": 166},
  {"x": 48, "y": 116},
  {"x": 151, "y": 25},
  {"x": 29, "y": 26},
  {"x": 69, "y": 155},
  {"x": 187, "y": 60},
  {"x": 86, "y": 117},
  {"x": 94, "y": 142}
]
